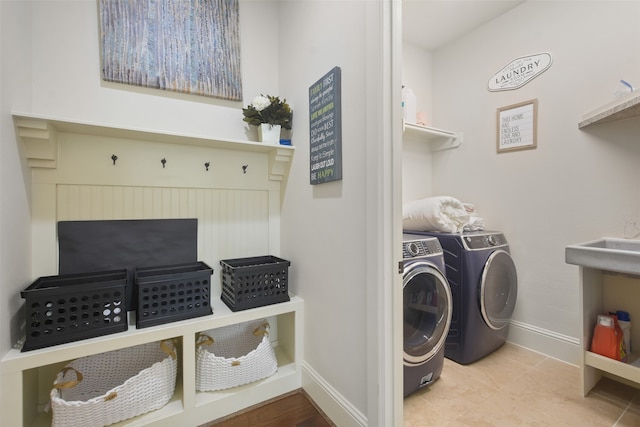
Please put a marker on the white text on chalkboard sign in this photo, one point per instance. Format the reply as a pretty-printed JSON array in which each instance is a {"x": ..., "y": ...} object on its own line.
[{"x": 325, "y": 129}]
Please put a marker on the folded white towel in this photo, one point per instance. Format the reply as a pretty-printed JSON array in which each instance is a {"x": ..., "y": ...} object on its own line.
[
  {"x": 442, "y": 213},
  {"x": 475, "y": 223}
]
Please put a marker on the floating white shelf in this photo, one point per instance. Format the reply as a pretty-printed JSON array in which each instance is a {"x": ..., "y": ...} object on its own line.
[
  {"x": 624, "y": 108},
  {"x": 438, "y": 138},
  {"x": 39, "y": 135}
]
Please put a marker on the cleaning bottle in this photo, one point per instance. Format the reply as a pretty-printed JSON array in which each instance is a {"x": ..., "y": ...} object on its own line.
[
  {"x": 605, "y": 338},
  {"x": 624, "y": 320},
  {"x": 408, "y": 105},
  {"x": 622, "y": 350}
]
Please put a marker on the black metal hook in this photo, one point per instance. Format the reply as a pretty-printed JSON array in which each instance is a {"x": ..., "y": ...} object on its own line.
[
  {"x": 114, "y": 158},
  {"x": 206, "y": 165},
  {"x": 164, "y": 162},
  {"x": 244, "y": 168}
]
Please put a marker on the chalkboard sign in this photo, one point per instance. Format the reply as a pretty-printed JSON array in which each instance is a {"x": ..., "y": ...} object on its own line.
[
  {"x": 325, "y": 127},
  {"x": 89, "y": 246}
]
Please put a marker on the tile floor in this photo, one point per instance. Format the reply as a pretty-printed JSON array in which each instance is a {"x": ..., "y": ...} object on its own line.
[{"x": 516, "y": 387}]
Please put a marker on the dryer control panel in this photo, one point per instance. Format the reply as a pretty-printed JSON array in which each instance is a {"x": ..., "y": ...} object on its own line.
[
  {"x": 420, "y": 247},
  {"x": 484, "y": 240}
]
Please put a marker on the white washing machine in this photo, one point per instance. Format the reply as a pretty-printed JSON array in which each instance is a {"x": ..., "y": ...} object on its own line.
[{"x": 427, "y": 310}]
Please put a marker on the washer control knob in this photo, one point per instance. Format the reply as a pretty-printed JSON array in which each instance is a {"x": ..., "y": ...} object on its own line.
[
  {"x": 491, "y": 239},
  {"x": 413, "y": 249}
]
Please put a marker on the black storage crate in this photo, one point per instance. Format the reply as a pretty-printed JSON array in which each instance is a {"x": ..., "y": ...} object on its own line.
[
  {"x": 254, "y": 282},
  {"x": 173, "y": 292},
  {"x": 66, "y": 308}
]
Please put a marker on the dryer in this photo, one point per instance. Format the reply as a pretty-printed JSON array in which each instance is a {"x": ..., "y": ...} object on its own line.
[
  {"x": 484, "y": 286},
  {"x": 427, "y": 311}
]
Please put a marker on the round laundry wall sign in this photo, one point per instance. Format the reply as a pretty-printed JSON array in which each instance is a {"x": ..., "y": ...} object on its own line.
[{"x": 519, "y": 72}]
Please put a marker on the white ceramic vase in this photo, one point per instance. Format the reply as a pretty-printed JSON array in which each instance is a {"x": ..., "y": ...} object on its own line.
[{"x": 269, "y": 134}]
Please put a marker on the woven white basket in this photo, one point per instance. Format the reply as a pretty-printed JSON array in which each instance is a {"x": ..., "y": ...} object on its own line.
[
  {"x": 109, "y": 387},
  {"x": 234, "y": 355}
]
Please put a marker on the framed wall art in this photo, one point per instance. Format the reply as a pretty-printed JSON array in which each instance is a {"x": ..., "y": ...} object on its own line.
[
  {"x": 517, "y": 126},
  {"x": 186, "y": 46}
]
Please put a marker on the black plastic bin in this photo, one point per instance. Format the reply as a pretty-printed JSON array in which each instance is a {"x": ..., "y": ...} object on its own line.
[
  {"x": 173, "y": 292},
  {"x": 67, "y": 308},
  {"x": 254, "y": 282}
]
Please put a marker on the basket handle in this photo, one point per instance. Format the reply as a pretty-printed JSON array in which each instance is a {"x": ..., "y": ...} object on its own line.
[
  {"x": 168, "y": 346},
  {"x": 204, "y": 340},
  {"x": 261, "y": 330},
  {"x": 69, "y": 384}
]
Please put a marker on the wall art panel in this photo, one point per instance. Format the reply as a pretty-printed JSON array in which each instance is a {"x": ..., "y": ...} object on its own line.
[{"x": 189, "y": 46}]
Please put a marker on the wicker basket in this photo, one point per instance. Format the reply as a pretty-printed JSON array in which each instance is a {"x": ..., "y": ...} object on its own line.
[
  {"x": 110, "y": 387},
  {"x": 234, "y": 355}
]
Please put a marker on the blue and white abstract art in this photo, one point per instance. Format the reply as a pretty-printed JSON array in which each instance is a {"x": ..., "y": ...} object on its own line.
[{"x": 189, "y": 46}]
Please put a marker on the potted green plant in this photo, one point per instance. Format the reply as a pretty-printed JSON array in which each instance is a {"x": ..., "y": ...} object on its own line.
[{"x": 269, "y": 114}]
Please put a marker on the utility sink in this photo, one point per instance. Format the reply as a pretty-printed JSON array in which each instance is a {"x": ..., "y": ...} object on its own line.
[{"x": 608, "y": 253}]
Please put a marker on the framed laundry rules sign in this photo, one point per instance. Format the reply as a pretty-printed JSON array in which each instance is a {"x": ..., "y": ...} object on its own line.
[
  {"x": 325, "y": 128},
  {"x": 517, "y": 126}
]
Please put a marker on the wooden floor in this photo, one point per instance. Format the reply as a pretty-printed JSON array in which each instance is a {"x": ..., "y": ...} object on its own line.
[{"x": 294, "y": 409}]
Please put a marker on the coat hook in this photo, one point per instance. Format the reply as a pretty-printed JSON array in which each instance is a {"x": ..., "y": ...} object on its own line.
[
  {"x": 114, "y": 158},
  {"x": 164, "y": 162},
  {"x": 206, "y": 165},
  {"x": 244, "y": 168}
]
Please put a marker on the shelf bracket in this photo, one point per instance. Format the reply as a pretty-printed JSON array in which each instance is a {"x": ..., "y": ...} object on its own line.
[
  {"x": 447, "y": 143},
  {"x": 439, "y": 139},
  {"x": 40, "y": 141},
  {"x": 279, "y": 161}
]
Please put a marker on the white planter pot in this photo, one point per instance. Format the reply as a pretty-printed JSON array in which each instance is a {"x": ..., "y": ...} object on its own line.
[{"x": 269, "y": 134}]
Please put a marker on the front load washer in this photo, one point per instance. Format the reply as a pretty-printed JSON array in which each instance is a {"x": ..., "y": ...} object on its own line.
[
  {"x": 427, "y": 310},
  {"x": 484, "y": 286}
]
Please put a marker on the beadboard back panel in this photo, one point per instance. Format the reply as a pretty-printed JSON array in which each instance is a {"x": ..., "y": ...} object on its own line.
[{"x": 231, "y": 223}]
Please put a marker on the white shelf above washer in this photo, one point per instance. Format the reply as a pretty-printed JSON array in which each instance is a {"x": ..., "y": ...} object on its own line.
[{"x": 438, "y": 138}]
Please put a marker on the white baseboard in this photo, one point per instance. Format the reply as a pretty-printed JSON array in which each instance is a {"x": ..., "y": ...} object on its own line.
[
  {"x": 332, "y": 403},
  {"x": 552, "y": 344}
]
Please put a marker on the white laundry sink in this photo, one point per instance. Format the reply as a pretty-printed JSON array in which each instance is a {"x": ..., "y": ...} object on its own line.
[{"x": 608, "y": 253}]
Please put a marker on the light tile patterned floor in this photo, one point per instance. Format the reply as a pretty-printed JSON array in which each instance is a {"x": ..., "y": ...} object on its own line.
[{"x": 516, "y": 387}]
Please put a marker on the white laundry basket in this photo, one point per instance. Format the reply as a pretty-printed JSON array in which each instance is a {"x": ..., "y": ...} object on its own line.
[
  {"x": 110, "y": 387},
  {"x": 234, "y": 355}
]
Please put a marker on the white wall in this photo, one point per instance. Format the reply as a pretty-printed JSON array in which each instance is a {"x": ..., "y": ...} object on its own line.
[
  {"x": 416, "y": 153},
  {"x": 325, "y": 227},
  {"x": 67, "y": 81},
  {"x": 15, "y": 228},
  {"x": 578, "y": 184},
  {"x": 416, "y": 74}
]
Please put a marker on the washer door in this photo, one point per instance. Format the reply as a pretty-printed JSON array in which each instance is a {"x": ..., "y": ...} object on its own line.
[
  {"x": 427, "y": 312},
  {"x": 498, "y": 289}
]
